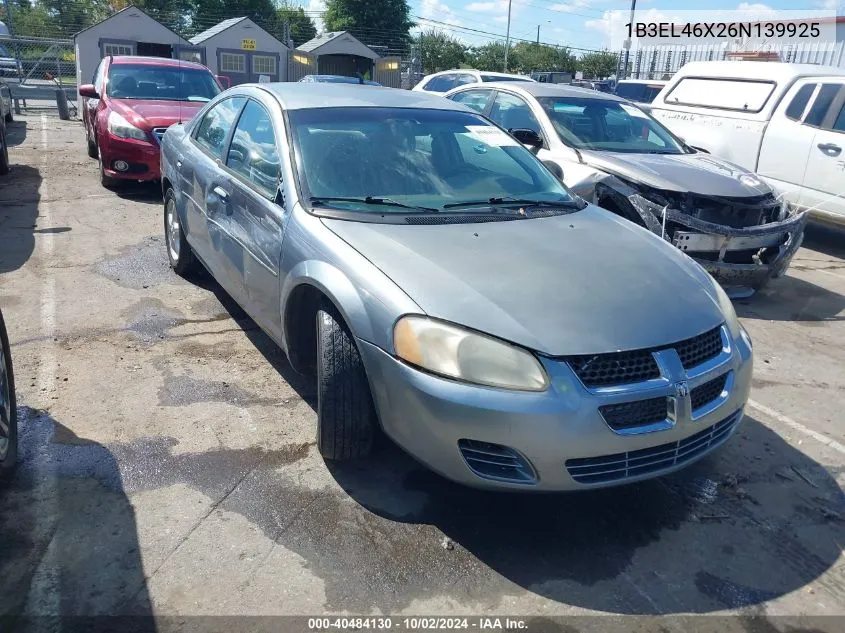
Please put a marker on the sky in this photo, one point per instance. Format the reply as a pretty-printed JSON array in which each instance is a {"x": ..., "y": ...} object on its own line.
[{"x": 574, "y": 23}]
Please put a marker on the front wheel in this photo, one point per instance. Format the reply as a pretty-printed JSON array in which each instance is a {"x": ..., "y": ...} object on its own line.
[
  {"x": 107, "y": 181},
  {"x": 179, "y": 252},
  {"x": 346, "y": 417},
  {"x": 93, "y": 152},
  {"x": 8, "y": 407}
]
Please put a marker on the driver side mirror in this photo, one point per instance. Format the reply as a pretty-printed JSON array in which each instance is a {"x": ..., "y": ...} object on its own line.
[
  {"x": 554, "y": 168},
  {"x": 527, "y": 137},
  {"x": 89, "y": 91}
]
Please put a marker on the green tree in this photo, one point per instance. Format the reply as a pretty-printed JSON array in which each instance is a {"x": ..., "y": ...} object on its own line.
[
  {"x": 204, "y": 14},
  {"x": 382, "y": 22},
  {"x": 440, "y": 51},
  {"x": 301, "y": 26},
  {"x": 598, "y": 65},
  {"x": 71, "y": 16},
  {"x": 528, "y": 56},
  {"x": 488, "y": 57}
]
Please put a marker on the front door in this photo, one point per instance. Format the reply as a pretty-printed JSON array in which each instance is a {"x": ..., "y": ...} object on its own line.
[
  {"x": 208, "y": 203},
  {"x": 254, "y": 166},
  {"x": 825, "y": 174}
]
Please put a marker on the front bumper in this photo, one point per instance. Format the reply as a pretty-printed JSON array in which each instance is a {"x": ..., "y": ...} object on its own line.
[
  {"x": 559, "y": 433},
  {"x": 711, "y": 244},
  {"x": 143, "y": 158}
]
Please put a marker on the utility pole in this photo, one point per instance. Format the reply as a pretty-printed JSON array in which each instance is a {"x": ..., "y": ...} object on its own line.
[
  {"x": 508, "y": 36},
  {"x": 628, "y": 41}
]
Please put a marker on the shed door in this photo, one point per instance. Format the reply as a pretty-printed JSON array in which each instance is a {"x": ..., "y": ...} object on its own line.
[
  {"x": 300, "y": 64},
  {"x": 233, "y": 64}
]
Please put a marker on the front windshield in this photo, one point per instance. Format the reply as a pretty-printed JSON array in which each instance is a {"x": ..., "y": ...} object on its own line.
[
  {"x": 423, "y": 158},
  {"x": 610, "y": 126},
  {"x": 161, "y": 83}
]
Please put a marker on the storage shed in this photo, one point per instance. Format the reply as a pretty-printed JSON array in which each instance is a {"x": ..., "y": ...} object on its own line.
[
  {"x": 129, "y": 32},
  {"x": 341, "y": 53},
  {"x": 243, "y": 52}
]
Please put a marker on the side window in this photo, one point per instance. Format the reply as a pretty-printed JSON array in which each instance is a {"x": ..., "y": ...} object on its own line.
[
  {"x": 253, "y": 153},
  {"x": 98, "y": 77},
  {"x": 475, "y": 99},
  {"x": 214, "y": 128},
  {"x": 799, "y": 102},
  {"x": 822, "y": 104},
  {"x": 511, "y": 113},
  {"x": 431, "y": 84},
  {"x": 447, "y": 82},
  {"x": 463, "y": 79},
  {"x": 232, "y": 63},
  {"x": 117, "y": 49},
  {"x": 839, "y": 124}
]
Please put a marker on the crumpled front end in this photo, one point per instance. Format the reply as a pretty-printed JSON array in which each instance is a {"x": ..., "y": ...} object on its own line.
[{"x": 742, "y": 241}]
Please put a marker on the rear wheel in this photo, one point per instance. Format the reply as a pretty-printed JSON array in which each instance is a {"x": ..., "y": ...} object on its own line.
[
  {"x": 179, "y": 252},
  {"x": 346, "y": 417},
  {"x": 4, "y": 151},
  {"x": 8, "y": 408}
]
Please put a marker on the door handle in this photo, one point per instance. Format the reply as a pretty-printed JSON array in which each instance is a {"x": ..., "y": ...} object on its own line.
[
  {"x": 830, "y": 148},
  {"x": 221, "y": 193},
  {"x": 178, "y": 164}
]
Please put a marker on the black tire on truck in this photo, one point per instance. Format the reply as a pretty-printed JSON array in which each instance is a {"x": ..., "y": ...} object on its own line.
[
  {"x": 8, "y": 407},
  {"x": 4, "y": 152},
  {"x": 346, "y": 417}
]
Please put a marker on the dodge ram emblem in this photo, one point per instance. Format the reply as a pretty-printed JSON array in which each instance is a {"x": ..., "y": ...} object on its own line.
[{"x": 681, "y": 389}]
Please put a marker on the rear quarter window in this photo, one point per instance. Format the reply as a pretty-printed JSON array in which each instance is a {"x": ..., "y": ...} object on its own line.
[{"x": 740, "y": 95}]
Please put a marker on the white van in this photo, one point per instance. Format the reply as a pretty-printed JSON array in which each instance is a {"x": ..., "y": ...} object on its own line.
[{"x": 784, "y": 121}]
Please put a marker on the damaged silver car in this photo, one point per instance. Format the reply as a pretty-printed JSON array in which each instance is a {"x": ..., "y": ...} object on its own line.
[{"x": 610, "y": 152}]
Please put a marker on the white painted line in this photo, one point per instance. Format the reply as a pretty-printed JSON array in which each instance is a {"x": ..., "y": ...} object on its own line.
[
  {"x": 780, "y": 417},
  {"x": 826, "y": 272},
  {"x": 44, "y": 596}
]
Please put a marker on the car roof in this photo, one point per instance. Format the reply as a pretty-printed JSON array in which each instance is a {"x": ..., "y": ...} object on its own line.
[
  {"x": 155, "y": 61},
  {"x": 301, "y": 96},
  {"x": 650, "y": 82},
  {"x": 538, "y": 89},
  {"x": 774, "y": 71},
  {"x": 489, "y": 73}
]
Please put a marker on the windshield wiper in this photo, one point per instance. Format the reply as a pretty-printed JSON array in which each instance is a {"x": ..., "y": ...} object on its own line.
[
  {"x": 560, "y": 204},
  {"x": 373, "y": 200}
]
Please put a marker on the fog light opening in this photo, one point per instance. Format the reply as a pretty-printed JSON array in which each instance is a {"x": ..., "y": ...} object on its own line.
[{"x": 120, "y": 165}]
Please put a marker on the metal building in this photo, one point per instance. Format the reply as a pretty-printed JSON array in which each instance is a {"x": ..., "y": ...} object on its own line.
[{"x": 243, "y": 52}]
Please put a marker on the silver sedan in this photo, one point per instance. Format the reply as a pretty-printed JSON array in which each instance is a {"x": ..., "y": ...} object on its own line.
[{"x": 445, "y": 288}]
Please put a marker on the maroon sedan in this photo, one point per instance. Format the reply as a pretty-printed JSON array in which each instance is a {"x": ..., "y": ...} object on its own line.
[{"x": 132, "y": 103}]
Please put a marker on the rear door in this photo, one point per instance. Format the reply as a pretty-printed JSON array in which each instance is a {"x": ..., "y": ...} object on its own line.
[
  {"x": 787, "y": 140},
  {"x": 824, "y": 179},
  {"x": 257, "y": 217},
  {"x": 207, "y": 205}
]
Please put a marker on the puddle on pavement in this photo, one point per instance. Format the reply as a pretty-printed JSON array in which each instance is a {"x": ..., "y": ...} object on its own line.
[{"x": 139, "y": 266}]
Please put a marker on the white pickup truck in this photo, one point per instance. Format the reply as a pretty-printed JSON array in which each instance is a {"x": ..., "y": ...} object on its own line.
[{"x": 784, "y": 121}]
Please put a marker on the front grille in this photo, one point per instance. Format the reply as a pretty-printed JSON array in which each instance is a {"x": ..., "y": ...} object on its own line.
[
  {"x": 621, "y": 466},
  {"x": 158, "y": 132},
  {"x": 494, "y": 461},
  {"x": 639, "y": 413},
  {"x": 699, "y": 349},
  {"x": 708, "y": 392},
  {"x": 601, "y": 370}
]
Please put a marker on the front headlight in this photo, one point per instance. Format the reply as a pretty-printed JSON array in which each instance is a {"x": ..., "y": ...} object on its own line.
[
  {"x": 122, "y": 128},
  {"x": 727, "y": 308},
  {"x": 464, "y": 355}
]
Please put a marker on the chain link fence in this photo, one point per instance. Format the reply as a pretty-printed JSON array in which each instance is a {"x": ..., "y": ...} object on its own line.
[{"x": 38, "y": 71}]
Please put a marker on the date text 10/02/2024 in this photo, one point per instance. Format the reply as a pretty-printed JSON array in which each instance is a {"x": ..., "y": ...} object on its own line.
[{"x": 416, "y": 623}]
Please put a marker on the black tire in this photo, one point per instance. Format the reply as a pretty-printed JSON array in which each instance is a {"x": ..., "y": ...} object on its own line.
[
  {"x": 106, "y": 181},
  {"x": 4, "y": 152},
  {"x": 9, "y": 117},
  {"x": 7, "y": 390},
  {"x": 181, "y": 258},
  {"x": 346, "y": 417},
  {"x": 93, "y": 152}
]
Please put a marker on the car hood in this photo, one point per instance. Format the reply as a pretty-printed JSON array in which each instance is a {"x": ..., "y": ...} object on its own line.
[
  {"x": 698, "y": 173},
  {"x": 587, "y": 282},
  {"x": 149, "y": 114}
]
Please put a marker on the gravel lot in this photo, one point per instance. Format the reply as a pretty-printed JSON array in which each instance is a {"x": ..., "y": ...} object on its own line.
[{"x": 168, "y": 462}]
